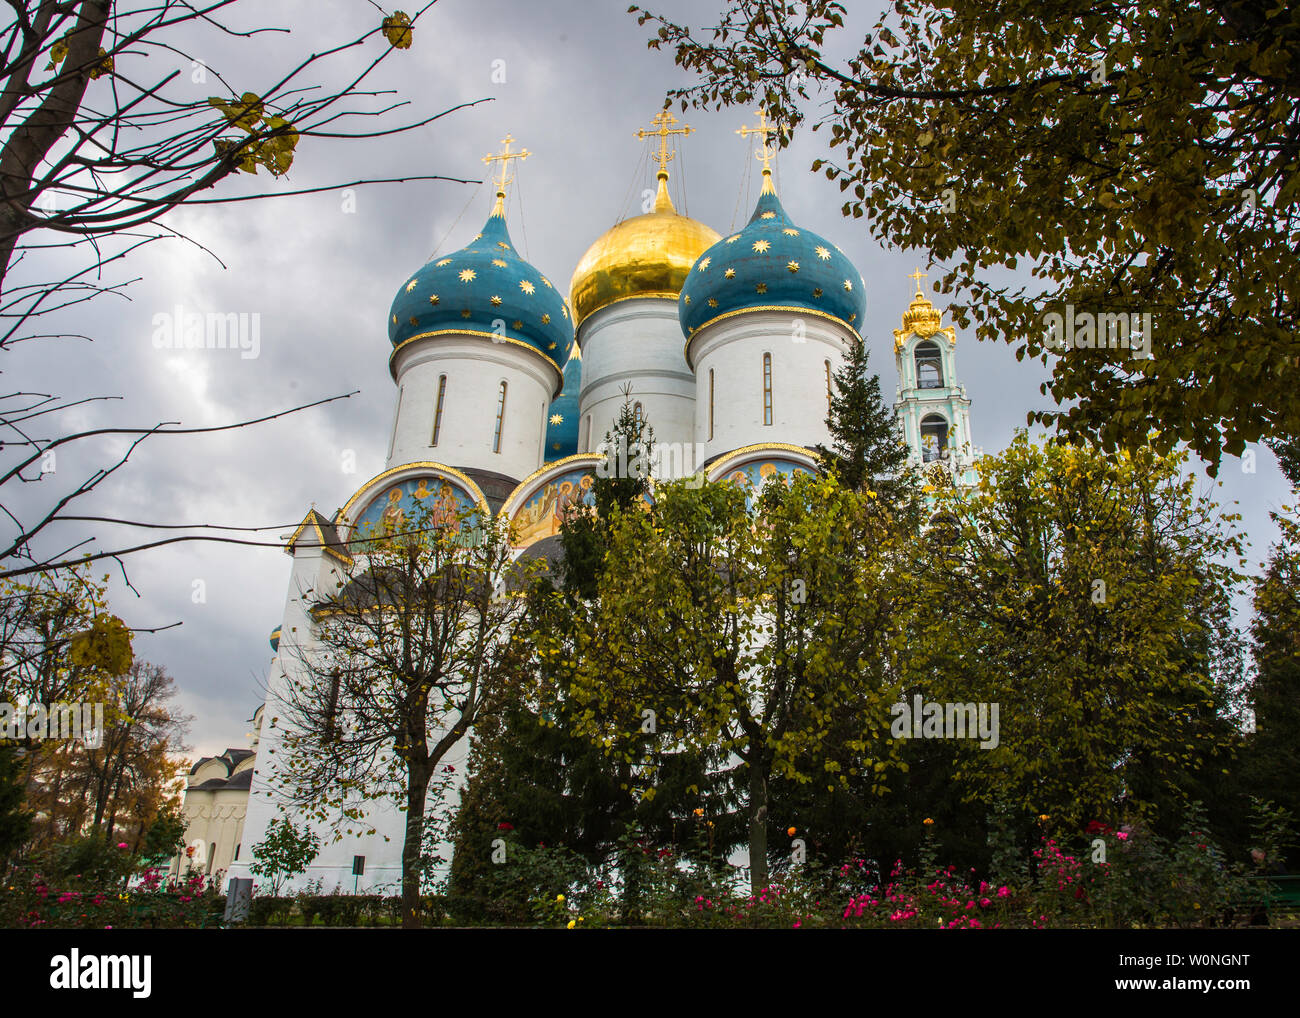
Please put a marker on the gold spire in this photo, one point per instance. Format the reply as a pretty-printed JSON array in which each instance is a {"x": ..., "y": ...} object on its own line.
[
  {"x": 765, "y": 152},
  {"x": 663, "y": 121},
  {"x": 504, "y": 157}
]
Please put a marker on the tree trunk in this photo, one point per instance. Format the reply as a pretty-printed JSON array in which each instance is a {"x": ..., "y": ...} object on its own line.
[
  {"x": 417, "y": 787},
  {"x": 757, "y": 827}
]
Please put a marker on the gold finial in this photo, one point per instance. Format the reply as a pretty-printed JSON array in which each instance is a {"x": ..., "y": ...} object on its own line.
[
  {"x": 663, "y": 121},
  {"x": 918, "y": 275},
  {"x": 765, "y": 152},
  {"x": 506, "y": 176}
]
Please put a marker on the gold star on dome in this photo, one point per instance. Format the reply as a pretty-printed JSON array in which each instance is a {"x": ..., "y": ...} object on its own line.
[
  {"x": 790, "y": 231},
  {"x": 410, "y": 286},
  {"x": 516, "y": 324},
  {"x": 445, "y": 261},
  {"x": 478, "y": 236},
  {"x": 768, "y": 215},
  {"x": 526, "y": 286},
  {"x": 704, "y": 264},
  {"x": 848, "y": 286},
  {"x": 467, "y": 275},
  {"x": 547, "y": 282},
  {"x": 414, "y": 320},
  {"x": 557, "y": 418},
  {"x": 732, "y": 239},
  {"x": 564, "y": 310},
  {"x": 686, "y": 298},
  {"x": 823, "y": 254},
  {"x": 730, "y": 273},
  {"x": 433, "y": 298},
  {"x": 761, "y": 246},
  {"x": 713, "y": 302},
  {"x": 503, "y": 245},
  {"x": 761, "y": 288},
  {"x": 550, "y": 346},
  {"x": 817, "y": 292},
  {"x": 495, "y": 299},
  {"x": 853, "y": 317},
  {"x": 546, "y": 319},
  {"x": 792, "y": 266},
  {"x": 498, "y": 263},
  {"x": 394, "y": 319},
  {"x": 465, "y": 313}
]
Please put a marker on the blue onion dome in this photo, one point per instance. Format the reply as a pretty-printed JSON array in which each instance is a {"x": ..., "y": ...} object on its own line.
[
  {"x": 771, "y": 263},
  {"x": 275, "y": 639},
  {"x": 562, "y": 419},
  {"x": 484, "y": 288}
]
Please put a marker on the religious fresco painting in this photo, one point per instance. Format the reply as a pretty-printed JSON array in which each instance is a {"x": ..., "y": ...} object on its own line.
[
  {"x": 409, "y": 500},
  {"x": 541, "y": 515},
  {"x": 756, "y": 473}
]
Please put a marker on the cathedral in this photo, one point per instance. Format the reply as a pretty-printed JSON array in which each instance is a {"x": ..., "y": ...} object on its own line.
[{"x": 727, "y": 346}]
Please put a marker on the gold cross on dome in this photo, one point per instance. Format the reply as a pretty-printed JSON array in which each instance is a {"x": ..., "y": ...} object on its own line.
[
  {"x": 763, "y": 130},
  {"x": 664, "y": 120},
  {"x": 504, "y": 158},
  {"x": 918, "y": 275}
]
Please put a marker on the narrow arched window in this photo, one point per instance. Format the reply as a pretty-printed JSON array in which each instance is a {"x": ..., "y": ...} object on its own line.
[
  {"x": 829, "y": 391},
  {"x": 638, "y": 417},
  {"x": 710, "y": 404},
  {"x": 767, "y": 388},
  {"x": 584, "y": 445},
  {"x": 437, "y": 410},
  {"x": 929, "y": 366},
  {"x": 934, "y": 438},
  {"x": 501, "y": 418}
]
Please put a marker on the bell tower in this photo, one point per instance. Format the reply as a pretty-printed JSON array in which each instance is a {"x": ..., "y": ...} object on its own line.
[{"x": 932, "y": 406}]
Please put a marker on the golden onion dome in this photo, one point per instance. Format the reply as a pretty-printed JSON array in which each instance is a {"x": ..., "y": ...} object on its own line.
[
  {"x": 646, "y": 256},
  {"x": 921, "y": 316}
]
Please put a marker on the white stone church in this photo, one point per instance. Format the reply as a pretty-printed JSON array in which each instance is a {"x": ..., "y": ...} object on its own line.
[{"x": 727, "y": 346}]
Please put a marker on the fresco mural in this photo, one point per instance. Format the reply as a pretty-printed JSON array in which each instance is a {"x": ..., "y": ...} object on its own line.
[
  {"x": 756, "y": 473},
  {"x": 409, "y": 499},
  {"x": 541, "y": 515}
]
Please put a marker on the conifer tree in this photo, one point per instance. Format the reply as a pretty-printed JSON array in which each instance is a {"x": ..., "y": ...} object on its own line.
[{"x": 867, "y": 450}]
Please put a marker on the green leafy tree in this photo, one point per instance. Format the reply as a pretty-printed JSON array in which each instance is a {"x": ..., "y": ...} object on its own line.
[
  {"x": 284, "y": 852},
  {"x": 1086, "y": 594},
  {"x": 778, "y": 614},
  {"x": 1136, "y": 157},
  {"x": 165, "y": 836},
  {"x": 15, "y": 819},
  {"x": 1272, "y": 753},
  {"x": 530, "y": 769}
]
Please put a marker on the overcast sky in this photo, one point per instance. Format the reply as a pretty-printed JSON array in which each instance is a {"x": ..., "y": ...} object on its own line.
[{"x": 578, "y": 83}]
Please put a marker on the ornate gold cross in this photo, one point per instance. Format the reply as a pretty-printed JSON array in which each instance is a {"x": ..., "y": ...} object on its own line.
[
  {"x": 504, "y": 158},
  {"x": 762, "y": 130},
  {"x": 918, "y": 275},
  {"x": 663, "y": 121}
]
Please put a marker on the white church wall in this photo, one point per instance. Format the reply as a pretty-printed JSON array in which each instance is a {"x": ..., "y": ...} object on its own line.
[
  {"x": 636, "y": 342},
  {"x": 733, "y": 350},
  {"x": 474, "y": 367}
]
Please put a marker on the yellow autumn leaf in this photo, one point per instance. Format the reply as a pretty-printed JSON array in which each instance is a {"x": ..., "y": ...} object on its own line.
[
  {"x": 58, "y": 53},
  {"x": 244, "y": 112},
  {"x": 398, "y": 30}
]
